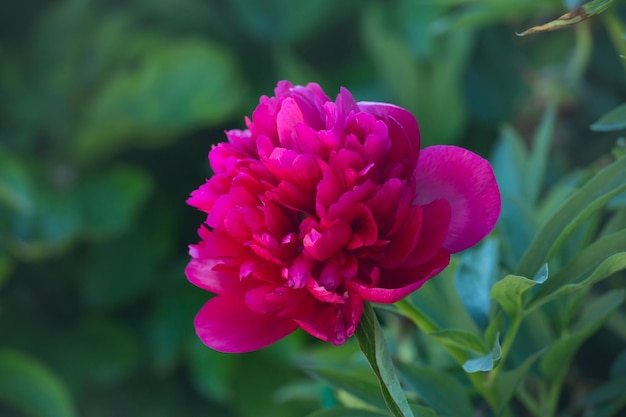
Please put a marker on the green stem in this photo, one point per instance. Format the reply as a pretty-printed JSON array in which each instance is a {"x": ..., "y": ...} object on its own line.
[
  {"x": 553, "y": 397},
  {"x": 616, "y": 31},
  {"x": 428, "y": 326},
  {"x": 582, "y": 53},
  {"x": 529, "y": 402},
  {"x": 507, "y": 345},
  {"x": 420, "y": 319}
]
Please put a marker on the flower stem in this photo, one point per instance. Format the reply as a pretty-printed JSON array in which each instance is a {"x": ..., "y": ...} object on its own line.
[
  {"x": 416, "y": 316},
  {"x": 428, "y": 326},
  {"x": 507, "y": 345}
]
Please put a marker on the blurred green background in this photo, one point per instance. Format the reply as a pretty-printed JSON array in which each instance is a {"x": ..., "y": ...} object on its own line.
[{"x": 108, "y": 110}]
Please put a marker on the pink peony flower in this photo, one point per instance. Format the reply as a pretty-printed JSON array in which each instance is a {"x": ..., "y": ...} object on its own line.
[{"x": 319, "y": 205}]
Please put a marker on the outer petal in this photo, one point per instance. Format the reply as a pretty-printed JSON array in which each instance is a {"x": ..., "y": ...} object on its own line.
[
  {"x": 212, "y": 275},
  {"x": 467, "y": 181},
  {"x": 226, "y": 324}
]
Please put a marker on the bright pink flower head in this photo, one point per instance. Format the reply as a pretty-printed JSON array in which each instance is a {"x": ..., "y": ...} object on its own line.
[{"x": 319, "y": 205}]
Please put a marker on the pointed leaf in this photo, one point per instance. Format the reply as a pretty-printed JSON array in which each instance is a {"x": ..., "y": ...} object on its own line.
[
  {"x": 346, "y": 412},
  {"x": 371, "y": 340},
  {"x": 487, "y": 362},
  {"x": 613, "y": 120},
  {"x": 606, "y": 184},
  {"x": 539, "y": 155},
  {"x": 437, "y": 388},
  {"x": 509, "y": 293},
  {"x": 460, "y": 338},
  {"x": 607, "y": 268},
  {"x": 571, "y": 18}
]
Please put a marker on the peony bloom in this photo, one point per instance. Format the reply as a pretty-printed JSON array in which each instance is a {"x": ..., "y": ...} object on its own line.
[{"x": 319, "y": 205}]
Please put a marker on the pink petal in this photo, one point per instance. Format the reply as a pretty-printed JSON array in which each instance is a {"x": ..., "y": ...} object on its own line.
[
  {"x": 226, "y": 324},
  {"x": 212, "y": 275},
  {"x": 434, "y": 231},
  {"x": 320, "y": 246},
  {"x": 403, "y": 130},
  {"x": 397, "y": 283},
  {"x": 467, "y": 181},
  {"x": 333, "y": 323}
]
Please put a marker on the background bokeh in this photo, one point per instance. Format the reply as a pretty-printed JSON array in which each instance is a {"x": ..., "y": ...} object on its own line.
[{"x": 108, "y": 110}]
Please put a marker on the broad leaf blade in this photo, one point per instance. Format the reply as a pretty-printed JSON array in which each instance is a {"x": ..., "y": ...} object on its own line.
[
  {"x": 509, "y": 292},
  {"x": 369, "y": 336}
]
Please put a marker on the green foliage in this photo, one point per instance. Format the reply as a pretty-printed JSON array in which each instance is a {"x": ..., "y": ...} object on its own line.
[
  {"x": 31, "y": 387},
  {"x": 372, "y": 343}
]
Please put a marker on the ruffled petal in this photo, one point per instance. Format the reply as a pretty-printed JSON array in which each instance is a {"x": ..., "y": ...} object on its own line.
[
  {"x": 331, "y": 322},
  {"x": 403, "y": 130},
  {"x": 467, "y": 182},
  {"x": 226, "y": 324}
]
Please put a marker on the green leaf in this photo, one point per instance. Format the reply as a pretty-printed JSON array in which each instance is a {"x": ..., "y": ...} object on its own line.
[
  {"x": 283, "y": 21},
  {"x": 585, "y": 262},
  {"x": 509, "y": 293},
  {"x": 555, "y": 362},
  {"x": 487, "y": 362},
  {"x": 518, "y": 220},
  {"x": 459, "y": 338},
  {"x": 539, "y": 154},
  {"x": 111, "y": 201},
  {"x": 346, "y": 412},
  {"x": 418, "y": 411},
  {"x": 506, "y": 382},
  {"x": 475, "y": 275},
  {"x": 606, "y": 184},
  {"x": 16, "y": 185},
  {"x": 436, "y": 388},
  {"x": 110, "y": 285},
  {"x": 101, "y": 351},
  {"x": 542, "y": 275},
  {"x": 429, "y": 88},
  {"x": 177, "y": 87},
  {"x": 607, "y": 268},
  {"x": 359, "y": 382},
  {"x": 211, "y": 372},
  {"x": 571, "y": 18},
  {"x": 613, "y": 120},
  {"x": 31, "y": 388},
  {"x": 168, "y": 323},
  {"x": 371, "y": 340},
  {"x": 608, "y": 399}
]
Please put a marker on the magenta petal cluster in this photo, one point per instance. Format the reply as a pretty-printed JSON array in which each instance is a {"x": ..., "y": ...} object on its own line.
[{"x": 320, "y": 205}]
